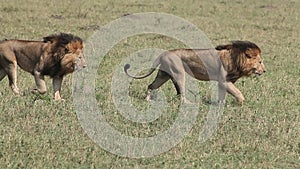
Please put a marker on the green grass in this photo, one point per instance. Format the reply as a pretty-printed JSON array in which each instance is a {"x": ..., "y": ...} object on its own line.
[{"x": 37, "y": 132}]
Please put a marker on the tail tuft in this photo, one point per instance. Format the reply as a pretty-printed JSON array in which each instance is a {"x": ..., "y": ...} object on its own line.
[{"x": 126, "y": 67}]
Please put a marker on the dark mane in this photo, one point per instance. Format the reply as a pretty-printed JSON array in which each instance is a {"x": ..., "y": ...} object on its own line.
[
  {"x": 58, "y": 45},
  {"x": 62, "y": 38},
  {"x": 238, "y": 51},
  {"x": 240, "y": 46}
]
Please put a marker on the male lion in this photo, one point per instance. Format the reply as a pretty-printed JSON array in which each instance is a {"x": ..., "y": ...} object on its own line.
[
  {"x": 225, "y": 64},
  {"x": 55, "y": 56}
]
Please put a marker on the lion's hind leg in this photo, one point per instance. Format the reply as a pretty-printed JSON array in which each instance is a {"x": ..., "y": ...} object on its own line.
[
  {"x": 11, "y": 71},
  {"x": 178, "y": 80},
  {"x": 2, "y": 74},
  {"x": 159, "y": 80}
]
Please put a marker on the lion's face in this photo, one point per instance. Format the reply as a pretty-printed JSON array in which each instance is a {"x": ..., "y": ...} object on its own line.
[
  {"x": 79, "y": 62},
  {"x": 254, "y": 63},
  {"x": 74, "y": 59}
]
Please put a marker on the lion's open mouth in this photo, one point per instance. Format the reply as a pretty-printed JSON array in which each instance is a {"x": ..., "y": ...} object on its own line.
[
  {"x": 79, "y": 68},
  {"x": 257, "y": 74}
]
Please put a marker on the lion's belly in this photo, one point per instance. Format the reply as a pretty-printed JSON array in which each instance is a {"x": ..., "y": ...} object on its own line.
[
  {"x": 201, "y": 73},
  {"x": 28, "y": 54},
  {"x": 26, "y": 63},
  {"x": 27, "y": 66}
]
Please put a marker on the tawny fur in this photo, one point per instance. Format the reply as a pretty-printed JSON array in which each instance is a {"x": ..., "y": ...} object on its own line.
[
  {"x": 225, "y": 64},
  {"x": 55, "y": 56}
]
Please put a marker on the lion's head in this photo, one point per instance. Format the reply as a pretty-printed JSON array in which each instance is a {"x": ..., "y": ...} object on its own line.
[
  {"x": 246, "y": 58},
  {"x": 66, "y": 54}
]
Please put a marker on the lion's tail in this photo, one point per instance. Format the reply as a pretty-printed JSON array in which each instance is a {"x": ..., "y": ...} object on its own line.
[{"x": 154, "y": 66}]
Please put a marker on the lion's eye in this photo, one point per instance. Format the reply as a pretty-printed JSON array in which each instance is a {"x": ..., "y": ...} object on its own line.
[
  {"x": 68, "y": 51},
  {"x": 247, "y": 55}
]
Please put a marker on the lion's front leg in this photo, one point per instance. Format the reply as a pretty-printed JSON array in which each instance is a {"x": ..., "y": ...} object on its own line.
[
  {"x": 231, "y": 89},
  {"x": 57, "y": 81},
  {"x": 222, "y": 92},
  {"x": 40, "y": 83}
]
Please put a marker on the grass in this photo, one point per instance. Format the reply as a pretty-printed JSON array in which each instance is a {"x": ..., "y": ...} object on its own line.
[{"x": 36, "y": 132}]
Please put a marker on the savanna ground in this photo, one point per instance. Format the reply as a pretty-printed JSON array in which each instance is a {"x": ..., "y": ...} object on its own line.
[{"x": 37, "y": 132}]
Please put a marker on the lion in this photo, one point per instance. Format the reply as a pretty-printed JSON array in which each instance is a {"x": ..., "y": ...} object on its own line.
[
  {"x": 55, "y": 56},
  {"x": 224, "y": 64}
]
